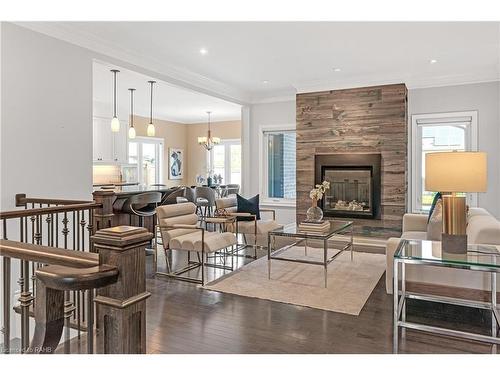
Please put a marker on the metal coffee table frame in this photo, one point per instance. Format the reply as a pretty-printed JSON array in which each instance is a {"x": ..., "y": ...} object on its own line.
[
  {"x": 400, "y": 297},
  {"x": 302, "y": 236}
]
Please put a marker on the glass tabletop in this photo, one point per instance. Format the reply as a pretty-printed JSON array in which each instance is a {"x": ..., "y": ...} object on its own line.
[
  {"x": 431, "y": 252},
  {"x": 292, "y": 230}
]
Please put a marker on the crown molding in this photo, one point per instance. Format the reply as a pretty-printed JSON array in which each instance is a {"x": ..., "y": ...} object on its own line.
[
  {"x": 443, "y": 81},
  {"x": 411, "y": 83},
  {"x": 159, "y": 69},
  {"x": 275, "y": 96}
]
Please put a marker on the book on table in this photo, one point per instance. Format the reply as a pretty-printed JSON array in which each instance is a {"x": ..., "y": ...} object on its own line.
[{"x": 314, "y": 226}]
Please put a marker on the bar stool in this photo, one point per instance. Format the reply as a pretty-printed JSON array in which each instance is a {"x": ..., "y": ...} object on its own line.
[
  {"x": 173, "y": 196},
  {"x": 143, "y": 205},
  {"x": 205, "y": 198}
]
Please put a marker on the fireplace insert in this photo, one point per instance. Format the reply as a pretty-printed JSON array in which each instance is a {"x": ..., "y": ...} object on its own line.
[{"x": 354, "y": 184}]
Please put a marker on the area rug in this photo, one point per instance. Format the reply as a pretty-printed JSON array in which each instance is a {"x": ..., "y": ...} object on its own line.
[{"x": 350, "y": 283}]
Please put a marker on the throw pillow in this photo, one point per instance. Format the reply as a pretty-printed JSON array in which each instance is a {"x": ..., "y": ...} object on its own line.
[
  {"x": 435, "y": 224},
  {"x": 250, "y": 206},
  {"x": 434, "y": 201}
]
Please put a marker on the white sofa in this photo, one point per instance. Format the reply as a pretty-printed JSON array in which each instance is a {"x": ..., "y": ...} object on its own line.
[{"x": 482, "y": 228}]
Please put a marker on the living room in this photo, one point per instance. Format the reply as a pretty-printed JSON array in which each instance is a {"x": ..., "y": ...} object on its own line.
[{"x": 258, "y": 195}]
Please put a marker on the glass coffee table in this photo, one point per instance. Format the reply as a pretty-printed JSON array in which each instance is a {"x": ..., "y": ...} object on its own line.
[
  {"x": 483, "y": 258},
  {"x": 337, "y": 228}
]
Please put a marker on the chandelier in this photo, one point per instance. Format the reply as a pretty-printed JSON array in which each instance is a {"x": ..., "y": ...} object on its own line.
[{"x": 208, "y": 142}]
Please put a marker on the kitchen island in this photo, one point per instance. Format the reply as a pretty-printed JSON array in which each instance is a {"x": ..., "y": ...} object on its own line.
[{"x": 113, "y": 199}]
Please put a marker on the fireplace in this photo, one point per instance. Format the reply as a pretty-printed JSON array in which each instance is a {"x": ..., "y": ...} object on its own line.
[{"x": 354, "y": 185}]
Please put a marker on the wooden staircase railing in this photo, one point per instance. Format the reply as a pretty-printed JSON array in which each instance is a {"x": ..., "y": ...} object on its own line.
[
  {"x": 118, "y": 274},
  {"x": 69, "y": 233}
]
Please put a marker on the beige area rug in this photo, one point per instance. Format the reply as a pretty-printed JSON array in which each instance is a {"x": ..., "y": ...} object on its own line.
[{"x": 350, "y": 283}]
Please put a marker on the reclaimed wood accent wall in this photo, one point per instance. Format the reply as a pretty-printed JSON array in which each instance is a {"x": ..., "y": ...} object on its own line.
[{"x": 359, "y": 120}]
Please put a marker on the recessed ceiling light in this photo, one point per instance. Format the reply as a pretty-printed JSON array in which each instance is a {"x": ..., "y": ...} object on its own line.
[
  {"x": 337, "y": 69},
  {"x": 433, "y": 61},
  {"x": 203, "y": 51},
  {"x": 265, "y": 82}
]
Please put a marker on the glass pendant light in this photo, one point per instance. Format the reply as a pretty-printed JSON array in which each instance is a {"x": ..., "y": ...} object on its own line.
[
  {"x": 208, "y": 142},
  {"x": 115, "y": 123},
  {"x": 151, "y": 128},
  {"x": 131, "y": 129}
]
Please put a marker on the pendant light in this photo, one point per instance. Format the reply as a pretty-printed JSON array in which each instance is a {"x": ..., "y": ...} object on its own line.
[
  {"x": 208, "y": 142},
  {"x": 115, "y": 123},
  {"x": 131, "y": 129},
  {"x": 151, "y": 127}
]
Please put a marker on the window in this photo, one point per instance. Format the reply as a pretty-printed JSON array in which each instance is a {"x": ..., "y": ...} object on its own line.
[
  {"x": 279, "y": 166},
  {"x": 225, "y": 159},
  {"x": 438, "y": 133},
  {"x": 147, "y": 155}
]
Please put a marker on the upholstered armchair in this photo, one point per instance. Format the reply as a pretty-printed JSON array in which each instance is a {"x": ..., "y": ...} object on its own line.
[
  {"x": 179, "y": 231},
  {"x": 254, "y": 231}
]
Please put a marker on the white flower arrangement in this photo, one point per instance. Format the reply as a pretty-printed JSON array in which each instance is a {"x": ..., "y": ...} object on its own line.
[{"x": 319, "y": 190}]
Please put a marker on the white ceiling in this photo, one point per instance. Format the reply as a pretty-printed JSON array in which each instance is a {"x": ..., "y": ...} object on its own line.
[
  {"x": 169, "y": 102},
  {"x": 299, "y": 56}
]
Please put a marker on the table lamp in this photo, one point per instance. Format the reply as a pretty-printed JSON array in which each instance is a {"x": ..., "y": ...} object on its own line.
[{"x": 452, "y": 173}]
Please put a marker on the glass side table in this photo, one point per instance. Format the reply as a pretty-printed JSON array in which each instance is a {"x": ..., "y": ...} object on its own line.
[{"x": 483, "y": 258}]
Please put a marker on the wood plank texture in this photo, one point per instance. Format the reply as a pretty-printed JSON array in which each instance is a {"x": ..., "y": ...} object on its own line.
[{"x": 359, "y": 120}]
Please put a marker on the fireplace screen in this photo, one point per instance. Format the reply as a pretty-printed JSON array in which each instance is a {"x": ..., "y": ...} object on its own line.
[{"x": 350, "y": 190}]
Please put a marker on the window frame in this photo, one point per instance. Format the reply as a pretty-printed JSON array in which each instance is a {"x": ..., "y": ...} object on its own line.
[
  {"x": 263, "y": 164},
  {"x": 159, "y": 154},
  {"x": 415, "y": 149},
  {"x": 227, "y": 143}
]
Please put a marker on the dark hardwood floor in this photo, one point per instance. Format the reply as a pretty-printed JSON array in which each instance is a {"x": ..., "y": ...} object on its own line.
[{"x": 184, "y": 318}]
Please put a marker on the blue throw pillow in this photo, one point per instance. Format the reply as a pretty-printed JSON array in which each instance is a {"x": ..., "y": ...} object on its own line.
[
  {"x": 250, "y": 206},
  {"x": 433, "y": 205}
]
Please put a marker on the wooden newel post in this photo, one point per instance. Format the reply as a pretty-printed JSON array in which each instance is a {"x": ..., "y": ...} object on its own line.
[
  {"x": 103, "y": 216},
  {"x": 121, "y": 307}
]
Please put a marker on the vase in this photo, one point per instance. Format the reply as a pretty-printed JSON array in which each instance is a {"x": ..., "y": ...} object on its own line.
[{"x": 314, "y": 213}]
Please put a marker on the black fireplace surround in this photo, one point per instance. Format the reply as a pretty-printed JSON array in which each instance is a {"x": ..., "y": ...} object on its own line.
[{"x": 354, "y": 185}]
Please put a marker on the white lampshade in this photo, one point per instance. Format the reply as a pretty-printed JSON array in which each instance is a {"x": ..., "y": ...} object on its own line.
[
  {"x": 202, "y": 140},
  {"x": 456, "y": 172},
  {"x": 115, "y": 125},
  {"x": 131, "y": 132},
  {"x": 151, "y": 130}
]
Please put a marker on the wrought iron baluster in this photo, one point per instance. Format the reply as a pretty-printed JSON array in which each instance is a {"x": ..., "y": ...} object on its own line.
[
  {"x": 76, "y": 230},
  {"x": 33, "y": 231},
  {"x": 6, "y": 295},
  {"x": 38, "y": 233},
  {"x": 82, "y": 225},
  {"x": 73, "y": 236},
  {"x": 6, "y": 302},
  {"x": 90, "y": 228},
  {"x": 65, "y": 230},
  {"x": 90, "y": 321},
  {"x": 40, "y": 228},
  {"x": 57, "y": 230},
  {"x": 25, "y": 300}
]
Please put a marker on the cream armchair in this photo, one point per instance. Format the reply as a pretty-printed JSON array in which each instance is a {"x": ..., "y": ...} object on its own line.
[
  {"x": 254, "y": 231},
  {"x": 179, "y": 231}
]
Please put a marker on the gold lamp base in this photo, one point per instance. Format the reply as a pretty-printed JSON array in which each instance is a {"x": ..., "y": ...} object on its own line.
[{"x": 454, "y": 237}]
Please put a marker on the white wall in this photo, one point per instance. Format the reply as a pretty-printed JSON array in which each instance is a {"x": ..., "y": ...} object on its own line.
[
  {"x": 46, "y": 120},
  {"x": 268, "y": 114},
  {"x": 483, "y": 97}
]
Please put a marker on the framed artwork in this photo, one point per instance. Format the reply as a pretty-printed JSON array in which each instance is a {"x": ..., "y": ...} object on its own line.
[{"x": 175, "y": 164}]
